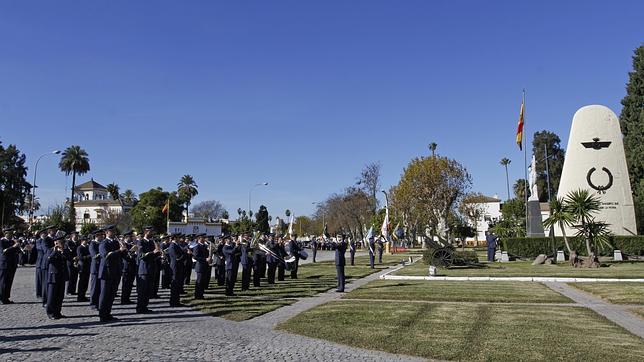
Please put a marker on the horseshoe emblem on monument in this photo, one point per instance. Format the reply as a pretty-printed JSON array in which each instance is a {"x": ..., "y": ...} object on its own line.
[{"x": 600, "y": 189}]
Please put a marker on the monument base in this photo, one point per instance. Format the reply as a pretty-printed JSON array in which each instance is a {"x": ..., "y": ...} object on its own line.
[{"x": 535, "y": 224}]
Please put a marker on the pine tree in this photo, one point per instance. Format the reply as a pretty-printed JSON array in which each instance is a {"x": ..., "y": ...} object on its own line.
[{"x": 632, "y": 124}]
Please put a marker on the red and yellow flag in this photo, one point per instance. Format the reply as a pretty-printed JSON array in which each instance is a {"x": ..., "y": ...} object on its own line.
[
  {"x": 520, "y": 127},
  {"x": 166, "y": 207}
]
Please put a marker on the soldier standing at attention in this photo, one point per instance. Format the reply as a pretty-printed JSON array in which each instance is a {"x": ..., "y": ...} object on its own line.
[
  {"x": 84, "y": 264},
  {"x": 340, "y": 249},
  {"x": 280, "y": 249},
  {"x": 259, "y": 263},
  {"x": 147, "y": 253},
  {"x": 112, "y": 252},
  {"x": 8, "y": 264},
  {"x": 381, "y": 247},
  {"x": 200, "y": 254},
  {"x": 271, "y": 260},
  {"x": 72, "y": 262},
  {"x": 94, "y": 282},
  {"x": 230, "y": 252},
  {"x": 39, "y": 255},
  {"x": 294, "y": 250},
  {"x": 246, "y": 263},
  {"x": 46, "y": 246},
  {"x": 57, "y": 275},
  {"x": 314, "y": 247},
  {"x": 352, "y": 251},
  {"x": 177, "y": 263},
  {"x": 129, "y": 269}
]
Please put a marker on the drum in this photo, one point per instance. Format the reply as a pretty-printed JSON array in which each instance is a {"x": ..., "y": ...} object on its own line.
[{"x": 303, "y": 255}]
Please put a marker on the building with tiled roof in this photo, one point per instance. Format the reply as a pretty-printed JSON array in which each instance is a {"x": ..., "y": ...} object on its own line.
[{"x": 93, "y": 203}]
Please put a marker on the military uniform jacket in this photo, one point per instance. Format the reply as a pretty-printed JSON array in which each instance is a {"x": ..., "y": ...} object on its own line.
[
  {"x": 340, "y": 249},
  {"x": 95, "y": 255},
  {"x": 294, "y": 248},
  {"x": 39, "y": 252},
  {"x": 110, "y": 259},
  {"x": 69, "y": 251},
  {"x": 200, "y": 254},
  {"x": 230, "y": 252},
  {"x": 177, "y": 257},
  {"x": 245, "y": 259},
  {"x": 84, "y": 259},
  {"x": 57, "y": 267},
  {"x": 219, "y": 255},
  {"x": 145, "y": 255},
  {"x": 45, "y": 246},
  {"x": 272, "y": 246},
  {"x": 352, "y": 247},
  {"x": 8, "y": 253}
]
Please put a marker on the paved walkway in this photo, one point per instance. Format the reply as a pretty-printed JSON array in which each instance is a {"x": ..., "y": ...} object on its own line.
[
  {"x": 616, "y": 313},
  {"x": 171, "y": 335}
]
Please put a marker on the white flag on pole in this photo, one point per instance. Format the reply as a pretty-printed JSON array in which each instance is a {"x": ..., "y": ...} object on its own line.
[{"x": 385, "y": 224}]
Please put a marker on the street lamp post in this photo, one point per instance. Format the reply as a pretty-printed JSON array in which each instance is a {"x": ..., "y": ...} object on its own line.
[
  {"x": 251, "y": 190},
  {"x": 323, "y": 214},
  {"x": 33, "y": 187}
]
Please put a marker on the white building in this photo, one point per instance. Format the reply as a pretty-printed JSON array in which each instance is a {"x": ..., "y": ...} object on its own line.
[
  {"x": 491, "y": 207},
  {"x": 93, "y": 203}
]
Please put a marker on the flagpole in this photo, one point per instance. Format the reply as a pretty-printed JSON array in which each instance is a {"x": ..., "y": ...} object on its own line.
[{"x": 525, "y": 166}]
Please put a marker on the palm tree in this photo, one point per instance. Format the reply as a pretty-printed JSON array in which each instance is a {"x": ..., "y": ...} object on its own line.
[
  {"x": 128, "y": 197},
  {"x": 559, "y": 215},
  {"x": 581, "y": 204},
  {"x": 505, "y": 162},
  {"x": 187, "y": 189},
  {"x": 432, "y": 147},
  {"x": 113, "y": 190},
  {"x": 287, "y": 213},
  {"x": 75, "y": 161}
]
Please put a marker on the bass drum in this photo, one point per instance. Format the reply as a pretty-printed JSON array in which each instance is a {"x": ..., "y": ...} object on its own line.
[{"x": 303, "y": 255}]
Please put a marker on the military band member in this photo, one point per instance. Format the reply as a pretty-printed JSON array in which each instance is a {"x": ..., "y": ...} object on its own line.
[
  {"x": 156, "y": 278},
  {"x": 46, "y": 246},
  {"x": 220, "y": 264},
  {"x": 166, "y": 272},
  {"x": 188, "y": 261},
  {"x": 84, "y": 265},
  {"x": 94, "y": 281},
  {"x": 271, "y": 260},
  {"x": 294, "y": 249},
  {"x": 57, "y": 275},
  {"x": 280, "y": 250},
  {"x": 70, "y": 256},
  {"x": 147, "y": 253},
  {"x": 230, "y": 253},
  {"x": 129, "y": 268},
  {"x": 210, "y": 250},
  {"x": 177, "y": 257},
  {"x": 352, "y": 251},
  {"x": 39, "y": 255},
  {"x": 259, "y": 264},
  {"x": 9, "y": 247},
  {"x": 246, "y": 262},
  {"x": 202, "y": 261},
  {"x": 340, "y": 249},
  {"x": 381, "y": 247},
  {"x": 112, "y": 253}
]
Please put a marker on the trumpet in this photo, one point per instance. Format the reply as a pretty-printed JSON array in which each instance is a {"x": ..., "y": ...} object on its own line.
[{"x": 265, "y": 249}]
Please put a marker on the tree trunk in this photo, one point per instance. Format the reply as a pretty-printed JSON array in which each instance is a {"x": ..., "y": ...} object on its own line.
[
  {"x": 593, "y": 261},
  {"x": 574, "y": 260},
  {"x": 563, "y": 232}
]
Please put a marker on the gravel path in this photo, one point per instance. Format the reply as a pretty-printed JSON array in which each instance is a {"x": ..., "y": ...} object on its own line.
[{"x": 170, "y": 335}]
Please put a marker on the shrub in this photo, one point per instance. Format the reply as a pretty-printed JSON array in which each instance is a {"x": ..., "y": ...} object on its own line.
[{"x": 531, "y": 247}]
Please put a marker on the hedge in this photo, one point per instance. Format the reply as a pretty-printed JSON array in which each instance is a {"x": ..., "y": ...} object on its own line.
[{"x": 531, "y": 247}]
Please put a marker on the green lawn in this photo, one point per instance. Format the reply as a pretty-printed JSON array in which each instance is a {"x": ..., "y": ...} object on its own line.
[
  {"x": 526, "y": 269},
  {"x": 503, "y": 292},
  {"x": 471, "y": 332},
  {"x": 312, "y": 279},
  {"x": 639, "y": 311},
  {"x": 619, "y": 293}
]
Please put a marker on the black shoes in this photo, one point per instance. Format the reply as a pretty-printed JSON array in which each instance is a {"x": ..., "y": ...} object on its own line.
[
  {"x": 7, "y": 301},
  {"x": 82, "y": 299},
  {"x": 126, "y": 302}
]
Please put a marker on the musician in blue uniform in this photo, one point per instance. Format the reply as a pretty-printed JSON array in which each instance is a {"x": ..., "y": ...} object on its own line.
[
  {"x": 210, "y": 249},
  {"x": 352, "y": 251},
  {"x": 372, "y": 251},
  {"x": 271, "y": 260},
  {"x": 129, "y": 269},
  {"x": 230, "y": 253},
  {"x": 220, "y": 264},
  {"x": 72, "y": 266},
  {"x": 381, "y": 248},
  {"x": 9, "y": 247},
  {"x": 294, "y": 250},
  {"x": 340, "y": 249},
  {"x": 94, "y": 281},
  {"x": 188, "y": 261},
  {"x": 46, "y": 246},
  {"x": 39, "y": 255},
  {"x": 259, "y": 264},
  {"x": 166, "y": 272},
  {"x": 84, "y": 265},
  {"x": 147, "y": 253},
  {"x": 280, "y": 250},
  {"x": 314, "y": 247},
  {"x": 202, "y": 261},
  {"x": 246, "y": 262},
  {"x": 109, "y": 272},
  {"x": 57, "y": 275},
  {"x": 177, "y": 263}
]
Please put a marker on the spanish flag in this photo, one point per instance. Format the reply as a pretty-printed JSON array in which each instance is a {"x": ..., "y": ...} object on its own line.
[
  {"x": 520, "y": 127},
  {"x": 166, "y": 207}
]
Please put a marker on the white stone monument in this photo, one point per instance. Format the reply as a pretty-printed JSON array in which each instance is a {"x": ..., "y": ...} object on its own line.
[
  {"x": 535, "y": 223},
  {"x": 595, "y": 161}
]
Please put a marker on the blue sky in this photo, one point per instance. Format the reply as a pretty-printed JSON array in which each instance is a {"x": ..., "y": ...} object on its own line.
[{"x": 301, "y": 94}]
